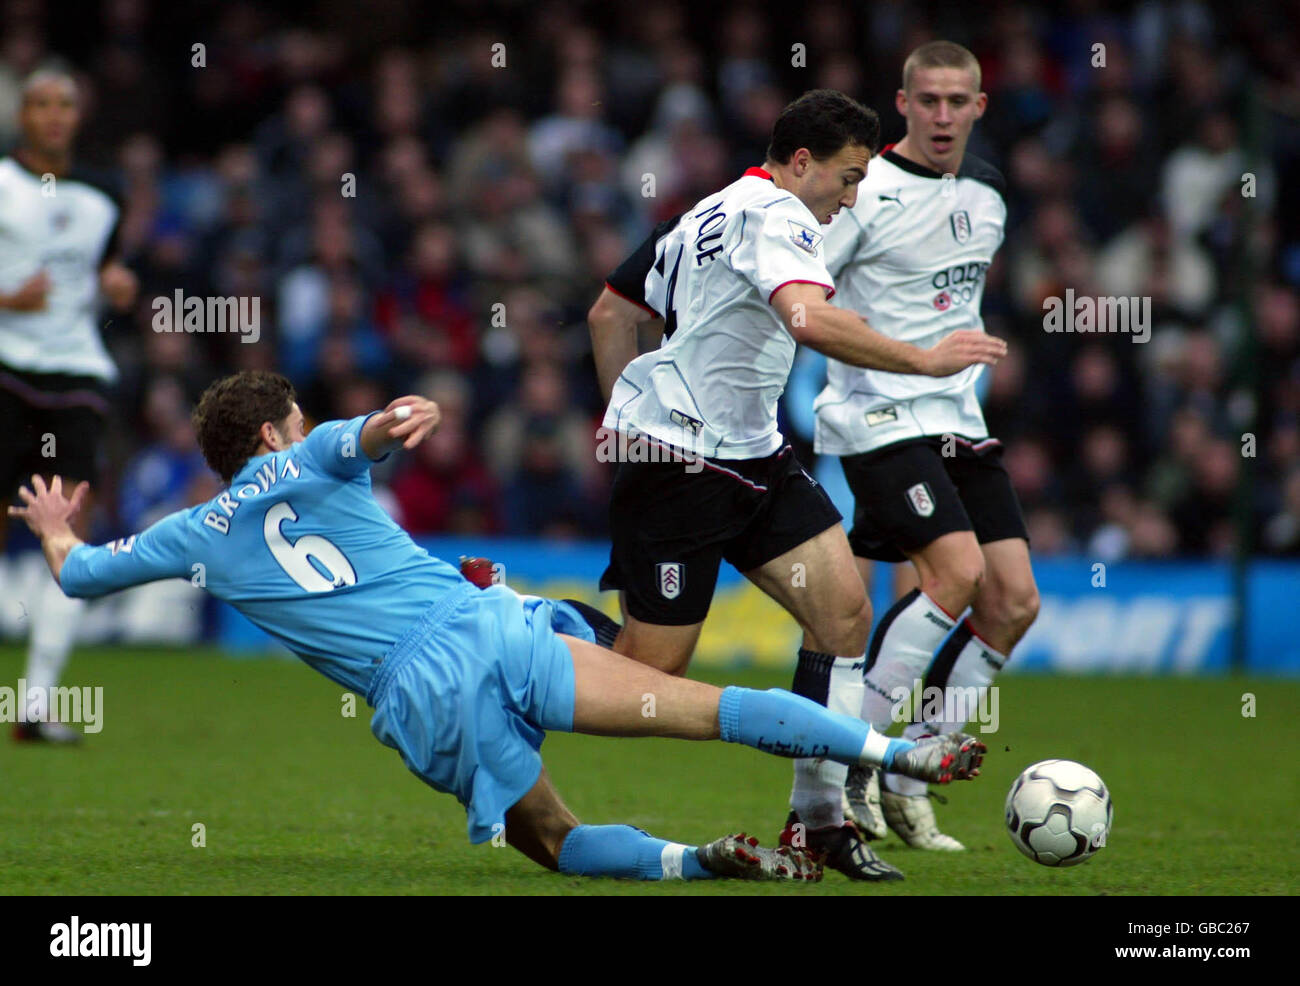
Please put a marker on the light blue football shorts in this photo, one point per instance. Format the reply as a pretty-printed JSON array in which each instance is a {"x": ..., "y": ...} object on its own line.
[{"x": 466, "y": 695}]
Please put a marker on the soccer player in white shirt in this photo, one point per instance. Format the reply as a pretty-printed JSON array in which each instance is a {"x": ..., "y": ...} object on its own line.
[
  {"x": 928, "y": 482},
  {"x": 56, "y": 264},
  {"x": 739, "y": 280}
]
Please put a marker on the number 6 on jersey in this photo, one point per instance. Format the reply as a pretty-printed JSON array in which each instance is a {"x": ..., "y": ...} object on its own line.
[{"x": 295, "y": 557}]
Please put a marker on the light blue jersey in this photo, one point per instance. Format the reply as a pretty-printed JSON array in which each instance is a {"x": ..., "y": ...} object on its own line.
[
  {"x": 299, "y": 546},
  {"x": 464, "y": 682}
]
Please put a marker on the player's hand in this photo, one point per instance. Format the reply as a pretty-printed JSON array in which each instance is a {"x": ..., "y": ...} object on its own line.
[
  {"x": 423, "y": 420},
  {"x": 47, "y": 511},
  {"x": 30, "y": 296},
  {"x": 960, "y": 350},
  {"x": 119, "y": 285}
]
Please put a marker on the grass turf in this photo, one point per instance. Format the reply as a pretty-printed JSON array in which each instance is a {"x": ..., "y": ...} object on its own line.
[{"x": 295, "y": 798}]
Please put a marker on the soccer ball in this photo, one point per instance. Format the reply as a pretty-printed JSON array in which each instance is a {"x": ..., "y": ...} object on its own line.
[{"x": 1058, "y": 813}]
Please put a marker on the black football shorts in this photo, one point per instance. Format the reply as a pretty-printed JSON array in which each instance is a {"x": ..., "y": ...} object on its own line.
[
  {"x": 908, "y": 494},
  {"x": 50, "y": 424},
  {"x": 672, "y": 524}
]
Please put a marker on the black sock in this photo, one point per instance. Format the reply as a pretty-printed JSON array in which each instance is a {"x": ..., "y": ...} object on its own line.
[
  {"x": 605, "y": 629},
  {"x": 812, "y": 675}
]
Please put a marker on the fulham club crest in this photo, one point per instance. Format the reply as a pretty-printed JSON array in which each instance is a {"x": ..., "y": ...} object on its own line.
[
  {"x": 670, "y": 579},
  {"x": 921, "y": 500},
  {"x": 961, "y": 225}
]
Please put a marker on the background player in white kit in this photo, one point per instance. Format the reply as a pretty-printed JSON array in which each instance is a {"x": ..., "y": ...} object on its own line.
[
  {"x": 739, "y": 280},
  {"x": 928, "y": 483},
  {"x": 56, "y": 262}
]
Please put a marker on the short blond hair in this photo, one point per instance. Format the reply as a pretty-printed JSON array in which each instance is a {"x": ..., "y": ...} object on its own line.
[{"x": 941, "y": 54}]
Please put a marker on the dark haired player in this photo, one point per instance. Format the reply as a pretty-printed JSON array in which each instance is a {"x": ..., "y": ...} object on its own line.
[
  {"x": 464, "y": 682},
  {"x": 57, "y": 259},
  {"x": 927, "y": 478},
  {"x": 739, "y": 280}
]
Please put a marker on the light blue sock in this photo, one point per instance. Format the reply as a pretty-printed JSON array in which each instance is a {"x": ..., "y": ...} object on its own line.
[
  {"x": 621, "y": 850},
  {"x": 790, "y": 725}
]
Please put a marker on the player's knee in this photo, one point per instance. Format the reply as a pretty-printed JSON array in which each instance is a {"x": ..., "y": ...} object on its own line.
[
  {"x": 844, "y": 623},
  {"x": 855, "y": 624},
  {"x": 1022, "y": 610},
  {"x": 660, "y": 651},
  {"x": 958, "y": 581},
  {"x": 1013, "y": 611}
]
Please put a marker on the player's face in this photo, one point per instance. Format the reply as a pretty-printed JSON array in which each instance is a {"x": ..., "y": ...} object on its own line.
[
  {"x": 50, "y": 116},
  {"x": 291, "y": 429},
  {"x": 941, "y": 108},
  {"x": 828, "y": 186}
]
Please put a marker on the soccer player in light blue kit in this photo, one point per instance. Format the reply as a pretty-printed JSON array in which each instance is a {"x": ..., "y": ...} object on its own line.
[{"x": 464, "y": 682}]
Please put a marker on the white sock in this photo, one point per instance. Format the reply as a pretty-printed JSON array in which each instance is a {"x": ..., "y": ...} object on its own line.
[
  {"x": 975, "y": 666},
  {"x": 55, "y": 619},
  {"x": 904, "y": 644},
  {"x": 817, "y": 795}
]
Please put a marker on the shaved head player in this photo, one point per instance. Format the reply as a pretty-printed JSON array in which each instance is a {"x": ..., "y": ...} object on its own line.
[{"x": 927, "y": 478}]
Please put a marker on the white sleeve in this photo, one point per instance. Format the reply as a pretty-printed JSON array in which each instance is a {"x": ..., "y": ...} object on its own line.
[{"x": 780, "y": 244}]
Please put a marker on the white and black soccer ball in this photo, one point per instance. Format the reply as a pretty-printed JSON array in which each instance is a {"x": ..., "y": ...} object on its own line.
[{"x": 1059, "y": 813}]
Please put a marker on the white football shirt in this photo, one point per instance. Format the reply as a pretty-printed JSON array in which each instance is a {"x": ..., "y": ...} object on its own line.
[
  {"x": 65, "y": 234},
  {"x": 910, "y": 258},
  {"x": 713, "y": 387}
]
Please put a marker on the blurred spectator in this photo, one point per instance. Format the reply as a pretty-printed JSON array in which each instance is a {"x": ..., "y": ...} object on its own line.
[
  {"x": 432, "y": 202},
  {"x": 167, "y": 474}
]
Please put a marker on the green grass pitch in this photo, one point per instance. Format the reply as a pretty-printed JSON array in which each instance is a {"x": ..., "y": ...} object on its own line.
[{"x": 295, "y": 798}]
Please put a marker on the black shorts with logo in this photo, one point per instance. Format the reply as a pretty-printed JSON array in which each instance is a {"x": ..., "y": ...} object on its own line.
[
  {"x": 50, "y": 424},
  {"x": 672, "y": 524},
  {"x": 908, "y": 494}
]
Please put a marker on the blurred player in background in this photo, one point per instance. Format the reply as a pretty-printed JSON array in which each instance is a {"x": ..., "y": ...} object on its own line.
[
  {"x": 739, "y": 280},
  {"x": 927, "y": 479},
  {"x": 464, "y": 683},
  {"x": 57, "y": 262}
]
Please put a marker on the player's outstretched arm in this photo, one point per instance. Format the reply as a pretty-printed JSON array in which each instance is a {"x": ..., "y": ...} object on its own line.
[
  {"x": 613, "y": 323},
  {"x": 407, "y": 421},
  {"x": 845, "y": 336},
  {"x": 49, "y": 515}
]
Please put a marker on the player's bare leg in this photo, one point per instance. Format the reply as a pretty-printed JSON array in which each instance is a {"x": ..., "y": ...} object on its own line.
[
  {"x": 948, "y": 572},
  {"x": 54, "y": 620},
  {"x": 818, "y": 584},
  {"x": 666, "y": 648},
  {"x": 539, "y": 822},
  {"x": 1007, "y": 603},
  {"x": 1002, "y": 609},
  {"x": 616, "y": 696}
]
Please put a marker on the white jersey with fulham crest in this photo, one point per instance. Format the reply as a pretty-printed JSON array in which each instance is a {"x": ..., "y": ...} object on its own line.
[
  {"x": 713, "y": 387},
  {"x": 64, "y": 234},
  {"x": 910, "y": 258}
]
